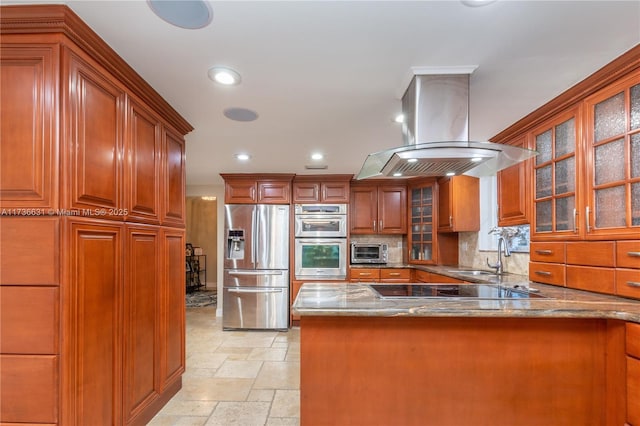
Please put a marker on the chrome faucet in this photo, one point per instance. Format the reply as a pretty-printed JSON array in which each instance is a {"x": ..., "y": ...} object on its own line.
[{"x": 502, "y": 247}]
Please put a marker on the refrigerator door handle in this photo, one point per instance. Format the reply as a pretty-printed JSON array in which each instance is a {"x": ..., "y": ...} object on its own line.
[
  {"x": 255, "y": 272},
  {"x": 256, "y": 290},
  {"x": 253, "y": 236}
]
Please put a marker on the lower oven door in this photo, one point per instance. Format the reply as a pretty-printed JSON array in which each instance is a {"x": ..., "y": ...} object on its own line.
[
  {"x": 255, "y": 308},
  {"x": 321, "y": 258}
]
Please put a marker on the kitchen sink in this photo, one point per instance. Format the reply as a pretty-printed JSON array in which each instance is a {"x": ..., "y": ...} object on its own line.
[{"x": 472, "y": 273}]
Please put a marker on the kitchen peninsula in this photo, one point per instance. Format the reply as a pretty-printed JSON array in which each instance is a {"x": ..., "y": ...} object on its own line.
[{"x": 556, "y": 358}]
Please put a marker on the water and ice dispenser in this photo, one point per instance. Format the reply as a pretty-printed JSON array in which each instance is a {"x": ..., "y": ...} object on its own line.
[{"x": 235, "y": 244}]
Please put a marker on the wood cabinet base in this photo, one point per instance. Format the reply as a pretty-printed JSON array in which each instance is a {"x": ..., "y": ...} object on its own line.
[{"x": 453, "y": 371}]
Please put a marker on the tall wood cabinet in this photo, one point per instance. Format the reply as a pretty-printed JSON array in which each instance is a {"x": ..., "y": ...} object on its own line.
[{"x": 92, "y": 191}]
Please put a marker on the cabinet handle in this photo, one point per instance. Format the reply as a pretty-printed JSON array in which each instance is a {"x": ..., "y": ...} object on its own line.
[
  {"x": 394, "y": 274},
  {"x": 587, "y": 211},
  {"x": 374, "y": 225},
  {"x": 380, "y": 226},
  {"x": 544, "y": 252},
  {"x": 451, "y": 221},
  {"x": 575, "y": 221},
  {"x": 633, "y": 284},
  {"x": 362, "y": 274},
  {"x": 633, "y": 253},
  {"x": 543, "y": 273}
]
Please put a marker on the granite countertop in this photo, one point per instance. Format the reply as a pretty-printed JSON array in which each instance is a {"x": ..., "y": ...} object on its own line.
[{"x": 349, "y": 299}]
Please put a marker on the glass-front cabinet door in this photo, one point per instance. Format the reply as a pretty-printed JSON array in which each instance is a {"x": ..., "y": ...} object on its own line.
[
  {"x": 556, "y": 178},
  {"x": 421, "y": 232},
  {"x": 613, "y": 155}
]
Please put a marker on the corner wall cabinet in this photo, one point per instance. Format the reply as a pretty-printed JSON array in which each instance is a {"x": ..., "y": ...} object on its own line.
[
  {"x": 92, "y": 229},
  {"x": 458, "y": 204},
  {"x": 513, "y": 200}
]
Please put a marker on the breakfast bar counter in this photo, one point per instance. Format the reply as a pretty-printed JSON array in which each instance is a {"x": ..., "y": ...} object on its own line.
[{"x": 556, "y": 358}]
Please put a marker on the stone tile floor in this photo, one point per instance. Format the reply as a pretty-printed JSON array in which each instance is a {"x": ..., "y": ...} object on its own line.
[{"x": 242, "y": 378}]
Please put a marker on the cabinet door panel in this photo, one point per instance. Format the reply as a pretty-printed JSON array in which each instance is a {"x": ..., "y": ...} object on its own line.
[
  {"x": 392, "y": 210},
  {"x": 548, "y": 273},
  {"x": 144, "y": 147},
  {"x": 93, "y": 324},
  {"x": 174, "y": 179},
  {"x": 28, "y": 159},
  {"x": 628, "y": 254},
  {"x": 94, "y": 127},
  {"x": 633, "y": 390},
  {"x": 601, "y": 280},
  {"x": 173, "y": 325},
  {"x": 363, "y": 210},
  {"x": 142, "y": 319},
  {"x": 240, "y": 191},
  {"x": 306, "y": 192},
  {"x": 513, "y": 191},
  {"x": 274, "y": 192},
  {"x": 335, "y": 192},
  {"x": 628, "y": 283}
]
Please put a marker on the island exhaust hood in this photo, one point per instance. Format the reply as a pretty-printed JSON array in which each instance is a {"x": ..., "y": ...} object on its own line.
[{"x": 436, "y": 135}]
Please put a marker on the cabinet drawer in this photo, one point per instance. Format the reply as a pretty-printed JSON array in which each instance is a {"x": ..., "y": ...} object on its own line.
[
  {"x": 592, "y": 253},
  {"x": 29, "y": 391},
  {"x": 633, "y": 390},
  {"x": 628, "y": 254},
  {"x": 365, "y": 274},
  {"x": 30, "y": 248},
  {"x": 422, "y": 276},
  {"x": 397, "y": 274},
  {"x": 548, "y": 252},
  {"x": 28, "y": 320},
  {"x": 633, "y": 339},
  {"x": 601, "y": 280},
  {"x": 628, "y": 283},
  {"x": 548, "y": 273}
]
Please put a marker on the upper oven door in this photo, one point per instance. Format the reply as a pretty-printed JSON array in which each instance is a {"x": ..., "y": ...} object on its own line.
[{"x": 321, "y": 226}]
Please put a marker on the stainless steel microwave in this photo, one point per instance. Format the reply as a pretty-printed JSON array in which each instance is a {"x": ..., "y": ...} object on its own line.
[
  {"x": 369, "y": 253},
  {"x": 321, "y": 220}
]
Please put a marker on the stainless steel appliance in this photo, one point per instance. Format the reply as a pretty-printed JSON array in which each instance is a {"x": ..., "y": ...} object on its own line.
[
  {"x": 321, "y": 220},
  {"x": 321, "y": 258},
  {"x": 256, "y": 267},
  {"x": 369, "y": 253}
]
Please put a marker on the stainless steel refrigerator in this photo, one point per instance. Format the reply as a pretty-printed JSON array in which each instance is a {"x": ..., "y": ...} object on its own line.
[{"x": 256, "y": 267}]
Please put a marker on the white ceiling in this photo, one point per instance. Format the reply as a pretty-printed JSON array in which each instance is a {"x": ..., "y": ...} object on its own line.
[{"x": 328, "y": 75}]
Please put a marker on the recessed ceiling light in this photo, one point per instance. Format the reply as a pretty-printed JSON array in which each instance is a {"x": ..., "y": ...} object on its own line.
[
  {"x": 188, "y": 14},
  {"x": 451, "y": 174},
  {"x": 476, "y": 3},
  {"x": 243, "y": 157},
  {"x": 399, "y": 118},
  {"x": 240, "y": 114},
  {"x": 317, "y": 156},
  {"x": 224, "y": 75}
]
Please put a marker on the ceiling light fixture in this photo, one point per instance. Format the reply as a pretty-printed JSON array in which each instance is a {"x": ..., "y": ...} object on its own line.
[
  {"x": 317, "y": 156},
  {"x": 476, "y": 3},
  {"x": 243, "y": 157},
  {"x": 240, "y": 114},
  {"x": 224, "y": 75},
  {"x": 188, "y": 14}
]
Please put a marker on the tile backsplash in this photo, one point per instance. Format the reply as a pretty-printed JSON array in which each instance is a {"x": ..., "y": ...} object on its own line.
[{"x": 470, "y": 256}]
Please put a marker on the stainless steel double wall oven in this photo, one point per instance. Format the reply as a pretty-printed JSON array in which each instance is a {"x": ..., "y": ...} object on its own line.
[{"x": 321, "y": 241}]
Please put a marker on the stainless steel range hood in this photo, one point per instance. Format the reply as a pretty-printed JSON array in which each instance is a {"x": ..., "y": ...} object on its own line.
[{"x": 436, "y": 135}]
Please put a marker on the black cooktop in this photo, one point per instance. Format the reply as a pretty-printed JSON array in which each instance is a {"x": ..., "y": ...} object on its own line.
[{"x": 478, "y": 291}]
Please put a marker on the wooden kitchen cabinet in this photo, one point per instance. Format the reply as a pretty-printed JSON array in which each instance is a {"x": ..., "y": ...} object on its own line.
[
  {"x": 513, "y": 190},
  {"x": 458, "y": 204},
  {"x": 422, "y": 237},
  {"x": 395, "y": 275},
  {"x": 357, "y": 275},
  {"x": 378, "y": 208},
  {"x": 102, "y": 264},
  {"x": 612, "y": 154},
  {"x": 633, "y": 373},
  {"x": 310, "y": 189},
  {"x": 257, "y": 189}
]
